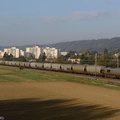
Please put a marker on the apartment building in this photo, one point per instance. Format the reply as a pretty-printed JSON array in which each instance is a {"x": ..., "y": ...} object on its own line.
[
  {"x": 31, "y": 52},
  {"x": 51, "y": 52},
  {"x": 34, "y": 51},
  {"x": 74, "y": 60},
  {"x": 14, "y": 51},
  {"x": 1, "y": 54},
  {"x": 22, "y": 53},
  {"x": 64, "y": 53}
]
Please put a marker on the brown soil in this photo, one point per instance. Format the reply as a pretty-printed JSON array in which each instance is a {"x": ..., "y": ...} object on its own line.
[{"x": 57, "y": 101}]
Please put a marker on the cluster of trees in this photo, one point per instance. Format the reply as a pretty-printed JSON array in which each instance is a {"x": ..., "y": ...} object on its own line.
[
  {"x": 22, "y": 59},
  {"x": 105, "y": 58},
  {"x": 88, "y": 57},
  {"x": 8, "y": 57},
  {"x": 42, "y": 58},
  {"x": 64, "y": 59},
  {"x": 108, "y": 59}
]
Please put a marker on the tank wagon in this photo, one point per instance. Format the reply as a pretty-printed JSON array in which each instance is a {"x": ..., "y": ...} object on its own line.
[
  {"x": 66, "y": 67},
  {"x": 79, "y": 69},
  {"x": 73, "y": 68},
  {"x": 56, "y": 67},
  {"x": 36, "y": 65},
  {"x": 112, "y": 72},
  {"x": 2, "y": 62},
  {"x": 47, "y": 66},
  {"x": 93, "y": 70}
]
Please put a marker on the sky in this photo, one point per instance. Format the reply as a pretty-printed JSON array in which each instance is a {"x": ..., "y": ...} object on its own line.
[{"x": 32, "y": 22}]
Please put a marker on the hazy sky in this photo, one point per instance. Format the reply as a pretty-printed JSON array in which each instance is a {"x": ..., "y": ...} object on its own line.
[{"x": 25, "y": 22}]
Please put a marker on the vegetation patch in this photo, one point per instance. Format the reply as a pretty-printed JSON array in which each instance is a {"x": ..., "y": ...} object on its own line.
[{"x": 8, "y": 78}]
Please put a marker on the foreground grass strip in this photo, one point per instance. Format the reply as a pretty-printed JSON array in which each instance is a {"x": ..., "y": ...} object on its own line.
[
  {"x": 5, "y": 78},
  {"x": 15, "y": 74},
  {"x": 105, "y": 86}
]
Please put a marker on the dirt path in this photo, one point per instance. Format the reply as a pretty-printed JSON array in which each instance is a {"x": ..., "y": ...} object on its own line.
[{"x": 57, "y": 101}]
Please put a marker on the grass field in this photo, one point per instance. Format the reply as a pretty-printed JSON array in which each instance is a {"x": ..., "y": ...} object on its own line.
[
  {"x": 36, "y": 95},
  {"x": 17, "y": 75}
]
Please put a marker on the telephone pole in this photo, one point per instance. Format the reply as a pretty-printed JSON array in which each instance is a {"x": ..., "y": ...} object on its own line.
[
  {"x": 118, "y": 60},
  {"x": 95, "y": 66}
]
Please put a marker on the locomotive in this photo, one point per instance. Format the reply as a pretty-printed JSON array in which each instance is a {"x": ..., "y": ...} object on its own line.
[{"x": 73, "y": 68}]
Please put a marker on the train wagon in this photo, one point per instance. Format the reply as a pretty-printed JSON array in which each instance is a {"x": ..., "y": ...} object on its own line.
[
  {"x": 79, "y": 68},
  {"x": 92, "y": 69},
  {"x": 7, "y": 62},
  {"x": 33, "y": 65},
  {"x": 56, "y": 67},
  {"x": 14, "y": 63},
  {"x": 36, "y": 65},
  {"x": 25, "y": 64},
  {"x": 115, "y": 72},
  {"x": 18, "y": 63},
  {"x": 2, "y": 62},
  {"x": 40, "y": 65},
  {"x": 66, "y": 67},
  {"x": 47, "y": 66}
]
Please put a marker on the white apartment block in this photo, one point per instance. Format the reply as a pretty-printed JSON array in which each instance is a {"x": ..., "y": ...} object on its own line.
[
  {"x": 35, "y": 51},
  {"x": 1, "y": 54},
  {"x": 22, "y": 53},
  {"x": 64, "y": 53},
  {"x": 14, "y": 51},
  {"x": 51, "y": 52}
]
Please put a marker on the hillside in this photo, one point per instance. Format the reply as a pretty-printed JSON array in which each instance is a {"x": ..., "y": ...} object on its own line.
[
  {"x": 92, "y": 45},
  {"x": 81, "y": 45}
]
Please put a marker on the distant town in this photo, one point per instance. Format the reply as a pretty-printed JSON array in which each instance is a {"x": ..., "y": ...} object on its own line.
[
  {"x": 31, "y": 53},
  {"x": 50, "y": 54}
]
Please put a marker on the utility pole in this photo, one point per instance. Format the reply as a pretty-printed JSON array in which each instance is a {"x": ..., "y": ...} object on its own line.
[
  {"x": 118, "y": 60},
  {"x": 95, "y": 66}
]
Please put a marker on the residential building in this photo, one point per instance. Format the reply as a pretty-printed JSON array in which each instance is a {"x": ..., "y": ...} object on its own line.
[
  {"x": 51, "y": 52},
  {"x": 22, "y": 53},
  {"x": 34, "y": 51},
  {"x": 1, "y": 54},
  {"x": 64, "y": 53},
  {"x": 74, "y": 60},
  {"x": 14, "y": 51}
]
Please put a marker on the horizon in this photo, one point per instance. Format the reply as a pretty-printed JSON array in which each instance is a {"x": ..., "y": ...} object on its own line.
[
  {"x": 49, "y": 22},
  {"x": 55, "y": 42}
]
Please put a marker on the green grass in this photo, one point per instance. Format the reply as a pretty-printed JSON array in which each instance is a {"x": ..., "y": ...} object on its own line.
[
  {"x": 15, "y": 74},
  {"x": 4, "y": 78}
]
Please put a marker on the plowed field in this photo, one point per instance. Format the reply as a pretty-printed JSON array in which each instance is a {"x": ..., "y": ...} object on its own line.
[{"x": 58, "y": 101}]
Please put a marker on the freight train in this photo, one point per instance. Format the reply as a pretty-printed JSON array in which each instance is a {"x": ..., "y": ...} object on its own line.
[{"x": 72, "y": 68}]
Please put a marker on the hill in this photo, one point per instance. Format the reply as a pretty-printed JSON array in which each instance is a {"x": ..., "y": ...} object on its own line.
[
  {"x": 92, "y": 45},
  {"x": 99, "y": 45}
]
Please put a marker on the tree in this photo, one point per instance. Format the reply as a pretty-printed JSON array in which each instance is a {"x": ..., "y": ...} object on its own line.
[
  {"x": 87, "y": 57},
  {"x": 72, "y": 54},
  {"x": 42, "y": 57},
  {"x": 8, "y": 57},
  {"x": 107, "y": 59},
  {"x": 106, "y": 52},
  {"x": 5, "y": 56},
  {"x": 22, "y": 59},
  {"x": 62, "y": 59}
]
